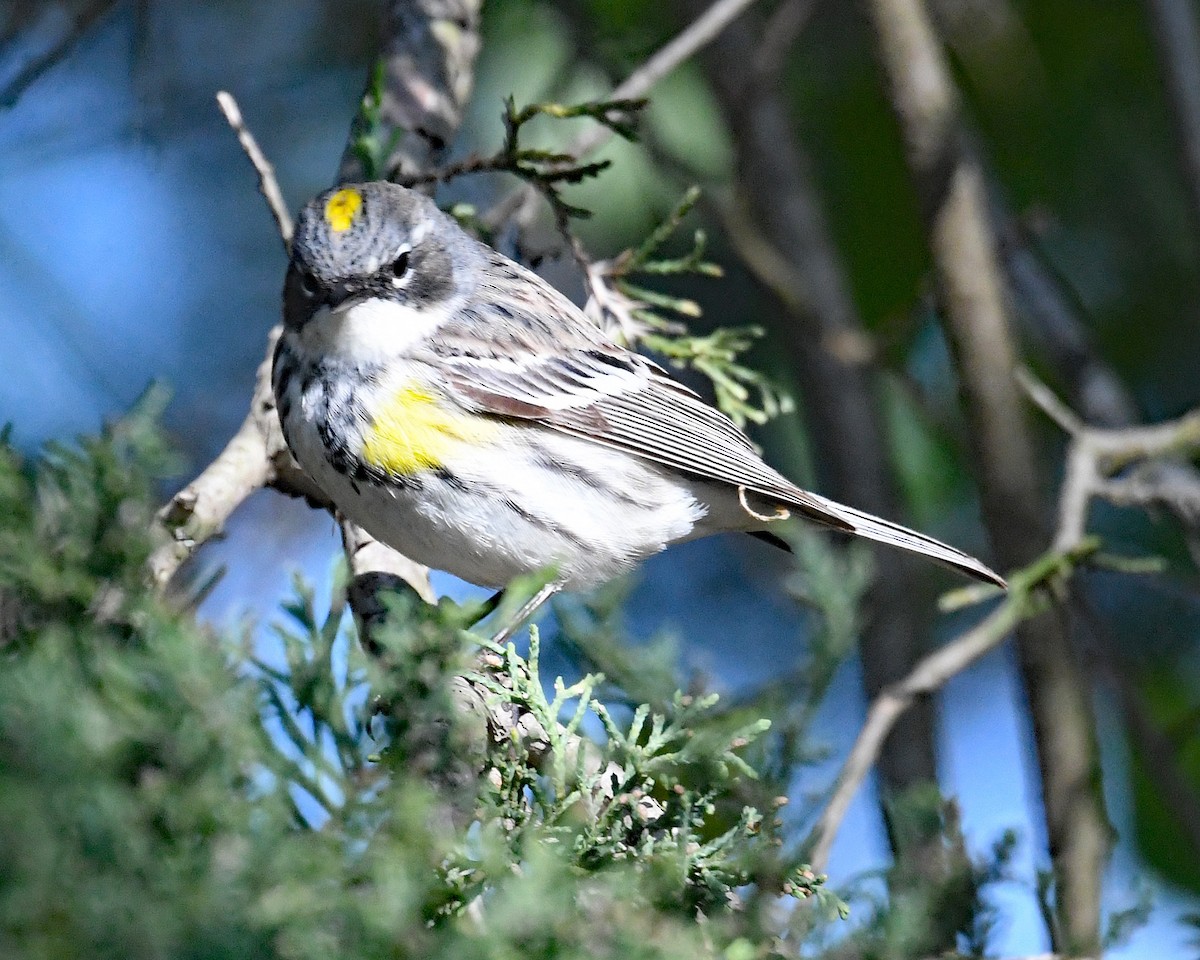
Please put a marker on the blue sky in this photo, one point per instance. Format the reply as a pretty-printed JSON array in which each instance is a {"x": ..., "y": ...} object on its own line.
[{"x": 128, "y": 255}]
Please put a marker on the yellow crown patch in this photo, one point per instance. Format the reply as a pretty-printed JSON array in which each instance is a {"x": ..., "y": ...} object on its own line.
[{"x": 341, "y": 208}]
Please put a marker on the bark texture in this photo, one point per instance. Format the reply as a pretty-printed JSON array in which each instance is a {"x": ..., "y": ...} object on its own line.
[
  {"x": 428, "y": 52},
  {"x": 825, "y": 339},
  {"x": 950, "y": 186}
]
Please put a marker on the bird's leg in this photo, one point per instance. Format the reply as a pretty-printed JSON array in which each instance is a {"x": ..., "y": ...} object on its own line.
[{"x": 528, "y": 609}]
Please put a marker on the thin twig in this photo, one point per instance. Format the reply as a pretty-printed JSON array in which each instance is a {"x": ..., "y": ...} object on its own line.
[
  {"x": 951, "y": 189},
  {"x": 694, "y": 37},
  {"x": 256, "y": 456},
  {"x": 1024, "y": 599},
  {"x": 268, "y": 185},
  {"x": 32, "y": 71},
  {"x": 1049, "y": 403},
  {"x": 474, "y": 163},
  {"x": 1098, "y": 464}
]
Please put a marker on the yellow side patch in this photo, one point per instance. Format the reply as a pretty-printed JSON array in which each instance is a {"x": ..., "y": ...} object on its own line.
[
  {"x": 341, "y": 208},
  {"x": 413, "y": 432}
]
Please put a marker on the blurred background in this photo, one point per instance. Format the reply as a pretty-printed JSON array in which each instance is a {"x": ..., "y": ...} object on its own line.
[{"x": 134, "y": 247}]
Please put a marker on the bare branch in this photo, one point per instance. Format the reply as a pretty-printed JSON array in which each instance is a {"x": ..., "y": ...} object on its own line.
[
  {"x": 1057, "y": 317},
  {"x": 1048, "y": 401},
  {"x": 32, "y": 71},
  {"x": 1096, "y": 456},
  {"x": 950, "y": 187},
  {"x": 255, "y": 457},
  {"x": 688, "y": 42},
  {"x": 693, "y": 38},
  {"x": 474, "y": 163},
  {"x": 1027, "y": 597},
  {"x": 268, "y": 185}
]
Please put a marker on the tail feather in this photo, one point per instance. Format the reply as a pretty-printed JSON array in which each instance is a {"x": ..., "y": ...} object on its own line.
[
  {"x": 884, "y": 531},
  {"x": 767, "y": 537}
]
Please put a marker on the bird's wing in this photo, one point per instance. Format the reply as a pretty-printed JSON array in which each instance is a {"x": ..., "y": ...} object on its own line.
[
  {"x": 611, "y": 396},
  {"x": 622, "y": 400}
]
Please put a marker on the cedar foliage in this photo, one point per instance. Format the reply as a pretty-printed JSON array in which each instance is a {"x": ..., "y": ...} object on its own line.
[{"x": 165, "y": 793}]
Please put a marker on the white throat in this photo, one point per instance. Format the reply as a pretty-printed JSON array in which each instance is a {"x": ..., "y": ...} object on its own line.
[{"x": 369, "y": 330}]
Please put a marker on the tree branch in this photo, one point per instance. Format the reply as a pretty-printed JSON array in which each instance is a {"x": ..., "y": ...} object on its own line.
[
  {"x": 1055, "y": 314},
  {"x": 779, "y": 230},
  {"x": 949, "y": 182},
  {"x": 1029, "y": 594},
  {"x": 28, "y": 75},
  {"x": 1100, "y": 453},
  {"x": 256, "y": 456},
  {"x": 268, "y": 185},
  {"x": 694, "y": 37},
  {"x": 1130, "y": 466}
]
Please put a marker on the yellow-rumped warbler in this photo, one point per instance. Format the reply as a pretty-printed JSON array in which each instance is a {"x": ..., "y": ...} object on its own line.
[{"x": 460, "y": 409}]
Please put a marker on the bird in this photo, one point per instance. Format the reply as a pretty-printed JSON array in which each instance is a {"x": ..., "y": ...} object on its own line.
[{"x": 462, "y": 410}]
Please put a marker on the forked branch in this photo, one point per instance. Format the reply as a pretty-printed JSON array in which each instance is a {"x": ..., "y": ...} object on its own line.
[
  {"x": 1128, "y": 466},
  {"x": 1031, "y": 591}
]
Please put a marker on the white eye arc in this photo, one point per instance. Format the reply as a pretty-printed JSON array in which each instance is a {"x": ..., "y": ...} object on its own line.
[{"x": 399, "y": 267}]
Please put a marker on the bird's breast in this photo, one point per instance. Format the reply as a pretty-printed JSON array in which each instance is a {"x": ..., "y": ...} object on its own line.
[
  {"x": 412, "y": 429},
  {"x": 371, "y": 423}
]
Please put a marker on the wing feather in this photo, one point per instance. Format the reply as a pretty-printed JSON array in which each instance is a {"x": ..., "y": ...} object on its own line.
[
  {"x": 634, "y": 407},
  {"x": 607, "y": 395}
]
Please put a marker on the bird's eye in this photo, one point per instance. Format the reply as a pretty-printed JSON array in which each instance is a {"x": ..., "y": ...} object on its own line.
[
  {"x": 308, "y": 284},
  {"x": 400, "y": 265}
]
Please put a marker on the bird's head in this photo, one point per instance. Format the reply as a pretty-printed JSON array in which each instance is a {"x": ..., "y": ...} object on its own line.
[{"x": 376, "y": 259}]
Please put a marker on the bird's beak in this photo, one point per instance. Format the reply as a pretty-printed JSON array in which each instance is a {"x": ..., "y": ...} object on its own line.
[{"x": 340, "y": 292}]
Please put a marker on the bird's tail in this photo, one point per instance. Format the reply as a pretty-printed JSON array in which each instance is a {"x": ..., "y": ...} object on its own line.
[{"x": 841, "y": 517}]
